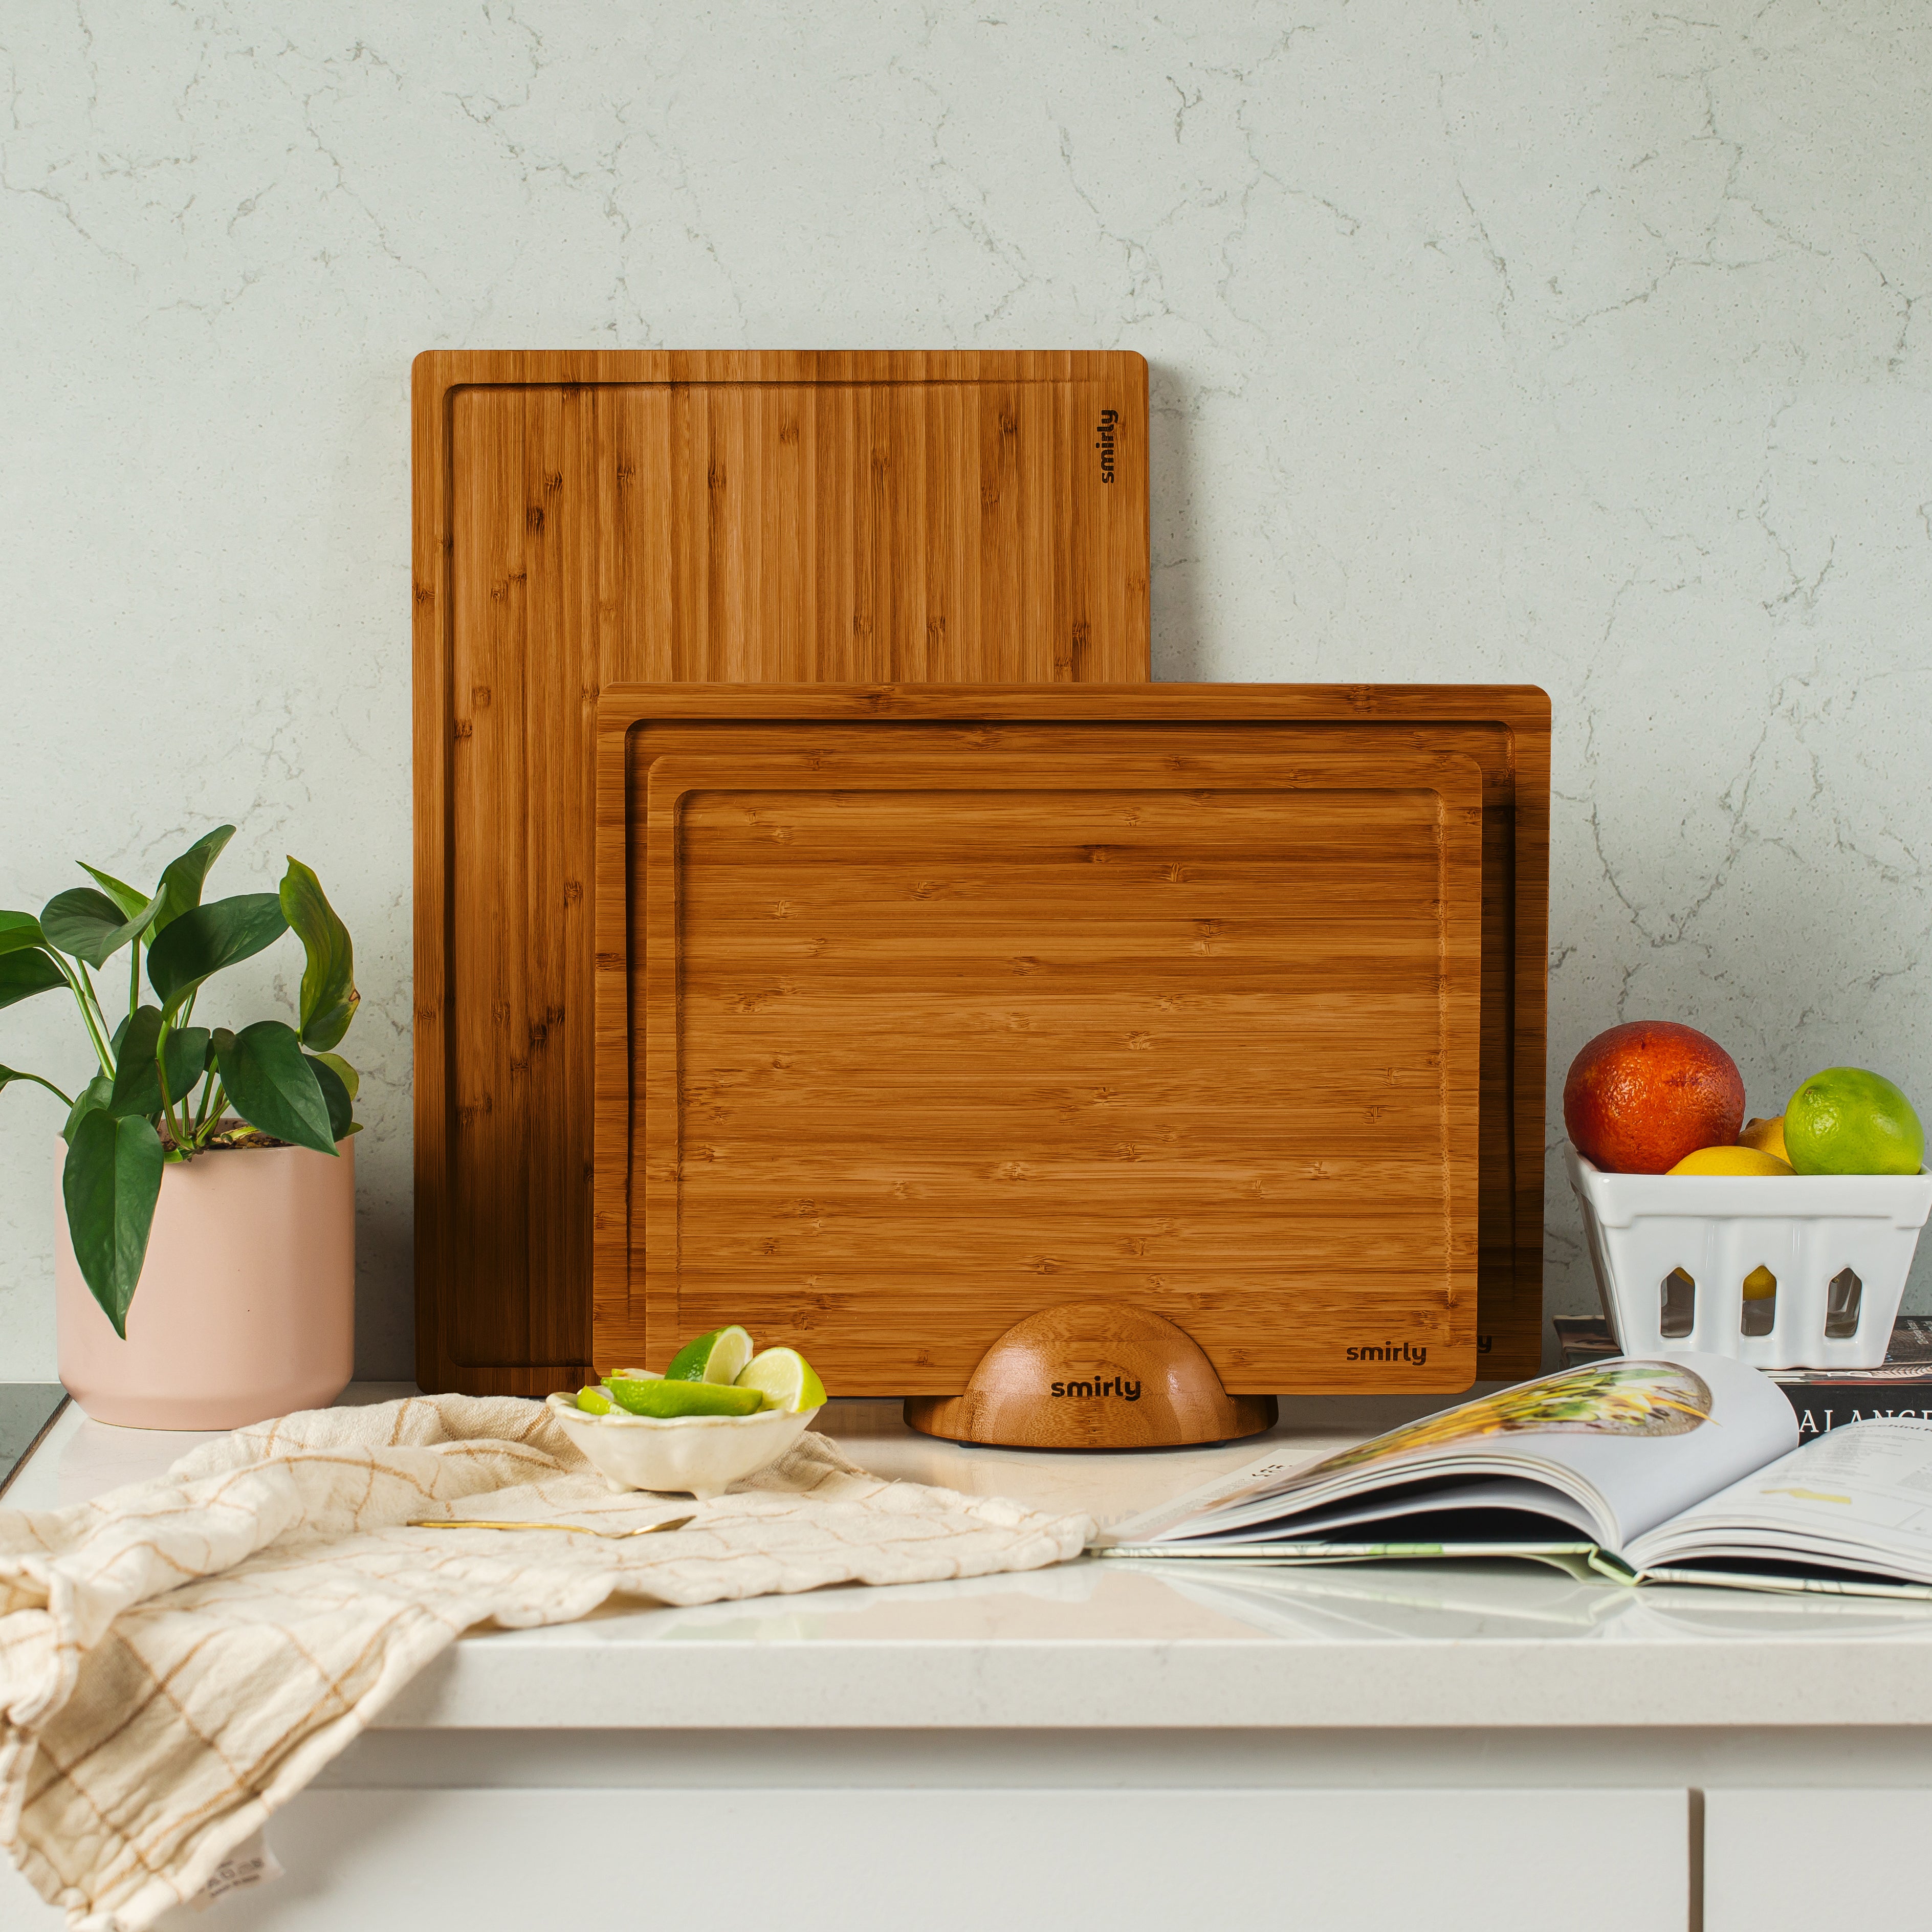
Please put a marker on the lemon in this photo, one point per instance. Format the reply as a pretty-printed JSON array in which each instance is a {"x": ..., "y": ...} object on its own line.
[
  {"x": 716, "y": 1357},
  {"x": 663, "y": 1397},
  {"x": 1846, "y": 1121},
  {"x": 787, "y": 1379},
  {"x": 1760, "y": 1284},
  {"x": 1731, "y": 1160},
  {"x": 1767, "y": 1136},
  {"x": 593, "y": 1401}
]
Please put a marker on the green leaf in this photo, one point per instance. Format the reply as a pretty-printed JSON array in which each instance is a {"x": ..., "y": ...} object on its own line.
[
  {"x": 23, "y": 974},
  {"x": 88, "y": 924},
  {"x": 96, "y": 1093},
  {"x": 347, "y": 1074},
  {"x": 130, "y": 899},
  {"x": 329, "y": 995},
  {"x": 137, "y": 1087},
  {"x": 111, "y": 1180},
  {"x": 205, "y": 939},
  {"x": 184, "y": 1057},
  {"x": 273, "y": 1087},
  {"x": 341, "y": 1117},
  {"x": 181, "y": 882},
  {"x": 184, "y": 1053},
  {"x": 18, "y": 929}
]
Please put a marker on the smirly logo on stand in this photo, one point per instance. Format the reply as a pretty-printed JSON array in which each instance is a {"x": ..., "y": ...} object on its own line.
[
  {"x": 1114, "y": 1385},
  {"x": 1103, "y": 441}
]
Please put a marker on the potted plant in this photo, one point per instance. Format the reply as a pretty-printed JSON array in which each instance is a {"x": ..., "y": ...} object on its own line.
[{"x": 210, "y": 1169}]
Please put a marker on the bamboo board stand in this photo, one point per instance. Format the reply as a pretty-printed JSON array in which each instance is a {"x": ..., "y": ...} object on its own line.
[
  {"x": 583, "y": 519},
  {"x": 1093, "y": 1375}
]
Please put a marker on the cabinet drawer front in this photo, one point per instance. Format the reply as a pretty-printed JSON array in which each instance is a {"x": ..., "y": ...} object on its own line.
[
  {"x": 1786, "y": 1861},
  {"x": 960, "y": 1861}
]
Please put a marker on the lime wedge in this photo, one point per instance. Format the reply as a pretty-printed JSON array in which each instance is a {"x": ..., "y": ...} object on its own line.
[
  {"x": 785, "y": 1379},
  {"x": 716, "y": 1357},
  {"x": 630, "y": 1376},
  {"x": 664, "y": 1397},
  {"x": 593, "y": 1401}
]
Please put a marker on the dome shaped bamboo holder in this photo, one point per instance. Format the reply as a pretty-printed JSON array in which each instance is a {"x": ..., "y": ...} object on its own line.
[{"x": 1092, "y": 1374}]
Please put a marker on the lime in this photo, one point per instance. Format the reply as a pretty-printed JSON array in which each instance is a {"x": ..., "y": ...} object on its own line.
[
  {"x": 664, "y": 1397},
  {"x": 630, "y": 1376},
  {"x": 593, "y": 1401},
  {"x": 1846, "y": 1121},
  {"x": 715, "y": 1358},
  {"x": 786, "y": 1378}
]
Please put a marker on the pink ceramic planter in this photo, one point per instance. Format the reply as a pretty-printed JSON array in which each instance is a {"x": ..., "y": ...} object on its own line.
[{"x": 246, "y": 1307}]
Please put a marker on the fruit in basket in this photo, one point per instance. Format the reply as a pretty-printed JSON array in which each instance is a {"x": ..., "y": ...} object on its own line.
[
  {"x": 1641, "y": 1096},
  {"x": 1847, "y": 1120},
  {"x": 1767, "y": 1136},
  {"x": 1735, "y": 1160}
]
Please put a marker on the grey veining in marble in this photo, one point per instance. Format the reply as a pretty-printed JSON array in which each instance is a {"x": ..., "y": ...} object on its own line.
[{"x": 1580, "y": 345}]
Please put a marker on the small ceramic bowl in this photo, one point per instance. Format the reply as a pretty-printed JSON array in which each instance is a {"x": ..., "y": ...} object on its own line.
[{"x": 701, "y": 1455}]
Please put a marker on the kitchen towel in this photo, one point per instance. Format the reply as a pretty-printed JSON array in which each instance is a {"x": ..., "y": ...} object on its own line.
[{"x": 179, "y": 1658}]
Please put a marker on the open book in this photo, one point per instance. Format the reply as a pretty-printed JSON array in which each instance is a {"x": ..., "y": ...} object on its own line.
[{"x": 1678, "y": 1469}]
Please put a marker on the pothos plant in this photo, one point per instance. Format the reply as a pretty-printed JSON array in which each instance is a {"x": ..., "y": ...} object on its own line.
[{"x": 166, "y": 1090}]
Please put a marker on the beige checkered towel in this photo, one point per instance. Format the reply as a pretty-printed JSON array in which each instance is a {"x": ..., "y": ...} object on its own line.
[{"x": 179, "y": 1658}]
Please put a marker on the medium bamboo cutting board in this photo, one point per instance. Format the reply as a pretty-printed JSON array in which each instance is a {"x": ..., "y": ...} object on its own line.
[
  {"x": 921, "y": 1010},
  {"x": 583, "y": 519}
]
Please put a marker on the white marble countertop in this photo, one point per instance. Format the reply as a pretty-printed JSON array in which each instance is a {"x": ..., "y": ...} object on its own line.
[{"x": 1093, "y": 1644}]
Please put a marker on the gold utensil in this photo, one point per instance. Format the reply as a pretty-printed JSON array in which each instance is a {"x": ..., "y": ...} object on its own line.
[{"x": 572, "y": 1528}]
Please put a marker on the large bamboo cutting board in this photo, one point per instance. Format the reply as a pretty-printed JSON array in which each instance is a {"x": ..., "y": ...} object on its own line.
[
  {"x": 583, "y": 519},
  {"x": 919, "y": 1011}
]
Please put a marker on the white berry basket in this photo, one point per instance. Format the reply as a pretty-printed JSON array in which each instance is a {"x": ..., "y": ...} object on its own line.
[{"x": 1671, "y": 1253}]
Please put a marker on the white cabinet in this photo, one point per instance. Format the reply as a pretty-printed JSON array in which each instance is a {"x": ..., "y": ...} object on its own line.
[
  {"x": 1785, "y": 1860},
  {"x": 1052, "y": 1860}
]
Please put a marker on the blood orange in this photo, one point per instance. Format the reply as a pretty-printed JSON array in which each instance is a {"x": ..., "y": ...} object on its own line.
[{"x": 1640, "y": 1097}]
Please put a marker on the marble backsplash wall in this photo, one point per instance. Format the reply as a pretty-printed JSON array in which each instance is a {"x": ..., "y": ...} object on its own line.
[{"x": 1580, "y": 345}]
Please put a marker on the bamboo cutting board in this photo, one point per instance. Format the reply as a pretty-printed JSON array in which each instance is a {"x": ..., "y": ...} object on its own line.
[
  {"x": 921, "y": 1011},
  {"x": 583, "y": 519}
]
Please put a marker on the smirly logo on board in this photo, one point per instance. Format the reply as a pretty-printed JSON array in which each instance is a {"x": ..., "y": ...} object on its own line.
[
  {"x": 1114, "y": 1385},
  {"x": 1389, "y": 1352},
  {"x": 1103, "y": 441}
]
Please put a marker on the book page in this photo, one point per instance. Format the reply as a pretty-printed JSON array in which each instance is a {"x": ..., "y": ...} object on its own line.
[
  {"x": 1860, "y": 1498},
  {"x": 1631, "y": 1442},
  {"x": 1492, "y": 1496}
]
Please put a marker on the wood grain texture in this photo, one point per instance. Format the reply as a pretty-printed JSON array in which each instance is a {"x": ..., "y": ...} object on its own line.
[
  {"x": 921, "y": 1010},
  {"x": 1093, "y": 1375},
  {"x": 1505, "y": 729},
  {"x": 585, "y": 518}
]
